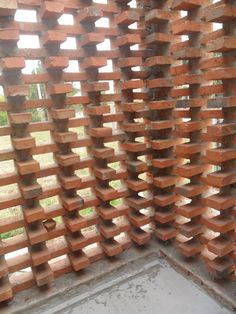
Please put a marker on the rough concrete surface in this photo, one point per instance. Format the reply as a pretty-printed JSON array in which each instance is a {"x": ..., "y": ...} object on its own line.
[
  {"x": 157, "y": 290},
  {"x": 140, "y": 280}
]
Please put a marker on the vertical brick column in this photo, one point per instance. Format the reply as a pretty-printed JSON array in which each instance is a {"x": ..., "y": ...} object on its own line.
[
  {"x": 23, "y": 143},
  {"x": 99, "y": 133},
  {"x": 190, "y": 126},
  {"x": 64, "y": 139},
  {"x": 161, "y": 123},
  {"x": 221, "y": 215},
  {"x": 8, "y": 40},
  {"x": 130, "y": 107}
]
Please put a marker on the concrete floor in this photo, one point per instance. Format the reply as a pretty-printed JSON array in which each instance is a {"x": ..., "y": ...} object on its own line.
[
  {"x": 140, "y": 280},
  {"x": 159, "y": 289}
]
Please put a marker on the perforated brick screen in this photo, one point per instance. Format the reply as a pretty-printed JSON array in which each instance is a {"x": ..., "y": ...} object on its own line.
[{"x": 117, "y": 124}]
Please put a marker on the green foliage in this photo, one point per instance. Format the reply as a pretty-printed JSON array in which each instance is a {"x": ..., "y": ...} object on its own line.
[
  {"x": 11, "y": 233},
  {"x": 3, "y": 114},
  {"x": 35, "y": 115},
  {"x": 3, "y": 118}
]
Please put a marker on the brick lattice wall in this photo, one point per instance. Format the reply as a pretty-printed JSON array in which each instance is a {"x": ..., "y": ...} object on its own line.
[{"x": 106, "y": 146}]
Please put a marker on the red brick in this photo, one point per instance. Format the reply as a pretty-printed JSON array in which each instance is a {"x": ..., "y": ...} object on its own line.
[
  {"x": 41, "y": 256},
  {"x": 16, "y": 90},
  {"x": 95, "y": 87},
  {"x": 104, "y": 173},
  {"x": 166, "y": 233},
  {"x": 13, "y": 63},
  {"x": 8, "y": 7},
  {"x": 71, "y": 203},
  {"x": 139, "y": 236},
  {"x": 159, "y": 82},
  {"x": 30, "y": 191},
  {"x": 186, "y": 4},
  {"x": 56, "y": 62},
  {"x": 220, "y": 223},
  {"x": 164, "y": 181},
  {"x": 134, "y": 147},
  {"x": 220, "y": 201},
  {"x": 137, "y": 185},
  {"x": 164, "y": 217},
  {"x": 133, "y": 127},
  {"x": 43, "y": 276},
  {"x": 132, "y": 84},
  {"x": 51, "y": 10},
  {"x": 112, "y": 249},
  {"x": 132, "y": 107},
  {"x": 103, "y": 153},
  {"x": 91, "y": 39},
  {"x": 68, "y": 159},
  {"x": 20, "y": 118},
  {"x": 158, "y": 15},
  {"x": 136, "y": 166},
  {"x": 163, "y": 162},
  {"x": 129, "y": 62},
  {"x": 187, "y": 27},
  {"x": 190, "y": 210},
  {"x": 158, "y": 60},
  {"x": 127, "y": 17},
  {"x": 220, "y": 246},
  {"x": 33, "y": 214},
  {"x": 109, "y": 231},
  {"x": 23, "y": 143},
  {"x": 138, "y": 219},
  {"x": 27, "y": 167},
  {"x": 89, "y": 14},
  {"x": 189, "y": 170},
  {"x": 65, "y": 137},
  {"x": 161, "y": 125},
  {"x": 79, "y": 260},
  {"x": 220, "y": 267},
  {"x": 6, "y": 292},
  {"x": 156, "y": 38},
  {"x": 191, "y": 229},
  {"x": 222, "y": 44},
  {"x": 108, "y": 213},
  {"x": 220, "y": 13},
  {"x": 128, "y": 40},
  {"x": 162, "y": 144},
  {"x": 190, "y": 190},
  {"x": 106, "y": 194},
  {"x": 100, "y": 132},
  {"x": 190, "y": 248},
  {"x": 61, "y": 114},
  {"x": 70, "y": 182},
  {"x": 54, "y": 37},
  {"x": 60, "y": 88},
  {"x": 93, "y": 62},
  {"x": 97, "y": 110}
]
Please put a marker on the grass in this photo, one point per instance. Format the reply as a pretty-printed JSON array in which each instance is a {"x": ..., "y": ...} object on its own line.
[{"x": 7, "y": 167}]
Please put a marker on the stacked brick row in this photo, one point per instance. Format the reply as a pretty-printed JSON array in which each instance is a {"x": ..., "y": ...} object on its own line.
[
  {"x": 133, "y": 109},
  {"x": 161, "y": 122},
  {"x": 190, "y": 125},
  {"x": 221, "y": 217}
]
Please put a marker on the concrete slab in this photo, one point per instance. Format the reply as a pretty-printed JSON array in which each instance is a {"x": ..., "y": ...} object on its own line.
[
  {"x": 140, "y": 280},
  {"x": 223, "y": 290},
  {"x": 159, "y": 289}
]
